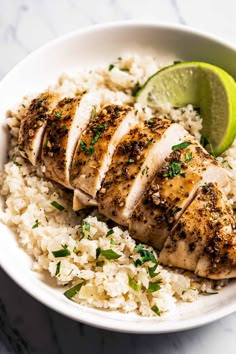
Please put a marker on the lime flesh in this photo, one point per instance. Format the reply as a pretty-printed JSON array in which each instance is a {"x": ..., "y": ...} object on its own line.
[{"x": 203, "y": 85}]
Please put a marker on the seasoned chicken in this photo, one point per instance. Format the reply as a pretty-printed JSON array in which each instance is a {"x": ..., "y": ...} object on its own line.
[
  {"x": 172, "y": 190},
  {"x": 33, "y": 125},
  {"x": 135, "y": 162},
  {"x": 204, "y": 239},
  {"x": 65, "y": 125},
  {"x": 96, "y": 146},
  {"x": 82, "y": 200}
]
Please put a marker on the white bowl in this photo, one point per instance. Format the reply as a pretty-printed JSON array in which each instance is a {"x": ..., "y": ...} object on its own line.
[{"x": 90, "y": 47}]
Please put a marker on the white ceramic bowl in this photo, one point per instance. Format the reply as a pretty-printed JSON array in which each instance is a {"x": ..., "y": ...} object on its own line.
[{"x": 89, "y": 47}]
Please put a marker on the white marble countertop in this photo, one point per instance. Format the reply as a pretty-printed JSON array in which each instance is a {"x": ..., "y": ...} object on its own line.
[{"x": 26, "y": 326}]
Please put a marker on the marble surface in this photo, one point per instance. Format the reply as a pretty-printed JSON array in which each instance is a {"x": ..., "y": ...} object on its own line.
[{"x": 26, "y": 326}]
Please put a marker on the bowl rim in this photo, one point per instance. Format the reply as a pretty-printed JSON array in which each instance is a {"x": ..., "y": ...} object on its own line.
[{"x": 39, "y": 294}]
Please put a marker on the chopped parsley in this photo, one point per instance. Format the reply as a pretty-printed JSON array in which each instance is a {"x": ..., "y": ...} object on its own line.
[
  {"x": 124, "y": 69},
  {"x": 16, "y": 163},
  {"x": 86, "y": 226},
  {"x": 176, "y": 62},
  {"x": 176, "y": 209},
  {"x": 151, "y": 270},
  {"x": 83, "y": 145},
  {"x": 110, "y": 232},
  {"x": 36, "y": 224},
  {"x": 90, "y": 151},
  {"x": 57, "y": 115},
  {"x": 23, "y": 105},
  {"x": 61, "y": 253},
  {"x": 131, "y": 161},
  {"x": 74, "y": 290},
  {"x": 108, "y": 254},
  {"x": 98, "y": 131},
  {"x": 58, "y": 268},
  {"x": 111, "y": 66},
  {"x": 100, "y": 264},
  {"x": 188, "y": 157},
  {"x": 181, "y": 146},
  {"x": 174, "y": 169},
  {"x": 208, "y": 293},
  {"x": 156, "y": 310},
  {"x": 57, "y": 205},
  {"x": 112, "y": 242},
  {"x": 65, "y": 128},
  {"x": 136, "y": 286},
  {"x": 154, "y": 286},
  {"x": 149, "y": 142},
  {"x": 145, "y": 255}
]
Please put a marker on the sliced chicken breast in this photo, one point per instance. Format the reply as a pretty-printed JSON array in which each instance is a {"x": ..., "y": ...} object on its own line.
[
  {"x": 172, "y": 190},
  {"x": 33, "y": 125},
  {"x": 204, "y": 239},
  {"x": 94, "y": 151},
  {"x": 82, "y": 200},
  {"x": 69, "y": 118},
  {"x": 137, "y": 158}
]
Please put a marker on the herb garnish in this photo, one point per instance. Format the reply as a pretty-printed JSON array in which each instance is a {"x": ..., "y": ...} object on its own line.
[
  {"x": 174, "y": 169},
  {"x": 98, "y": 131},
  {"x": 151, "y": 270},
  {"x": 207, "y": 293},
  {"x": 145, "y": 255},
  {"x": 57, "y": 205},
  {"x": 90, "y": 150},
  {"x": 154, "y": 286},
  {"x": 61, "y": 253},
  {"x": 16, "y": 163},
  {"x": 108, "y": 254},
  {"x": 36, "y": 224},
  {"x": 100, "y": 264},
  {"x": 181, "y": 146},
  {"x": 74, "y": 290},
  {"x": 131, "y": 161},
  {"x": 110, "y": 232},
  {"x": 188, "y": 157},
  {"x": 111, "y": 66},
  {"x": 112, "y": 242},
  {"x": 83, "y": 145},
  {"x": 86, "y": 226},
  {"x": 136, "y": 286},
  {"x": 58, "y": 268},
  {"x": 57, "y": 115},
  {"x": 156, "y": 310}
]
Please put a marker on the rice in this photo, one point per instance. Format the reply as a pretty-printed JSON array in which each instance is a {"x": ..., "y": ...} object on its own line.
[{"x": 107, "y": 261}]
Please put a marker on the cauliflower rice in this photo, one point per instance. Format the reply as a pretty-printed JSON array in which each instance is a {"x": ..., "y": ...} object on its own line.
[{"x": 128, "y": 283}]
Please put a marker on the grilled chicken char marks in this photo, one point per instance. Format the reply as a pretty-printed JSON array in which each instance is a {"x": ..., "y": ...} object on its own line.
[
  {"x": 61, "y": 134},
  {"x": 170, "y": 192},
  {"x": 206, "y": 229},
  {"x": 97, "y": 144},
  {"x": 134, "y": 164},
  {"x": 33, "y": 125}
]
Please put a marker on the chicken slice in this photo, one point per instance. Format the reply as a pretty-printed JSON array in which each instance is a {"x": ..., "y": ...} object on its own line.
[
  {"x": 82, "y": 200},
  {"x": 204, "y": 239},
  {"x": 33, "y": 125},
  {"x": 134, "y": 165},
  {"x": 172, "y": 190},
  {"x": 69, "y": 118},
  {"x": 94, "y": 151}
]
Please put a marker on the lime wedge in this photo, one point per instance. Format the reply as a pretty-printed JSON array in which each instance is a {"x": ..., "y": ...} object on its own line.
[{"x": 205, "y": 86}]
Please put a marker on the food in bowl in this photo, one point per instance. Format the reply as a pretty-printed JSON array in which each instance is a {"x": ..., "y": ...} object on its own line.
[{"x": 99, "y": 262}]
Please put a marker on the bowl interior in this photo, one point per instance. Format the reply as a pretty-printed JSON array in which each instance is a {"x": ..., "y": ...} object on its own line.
[{"x": 89, "y": 48}]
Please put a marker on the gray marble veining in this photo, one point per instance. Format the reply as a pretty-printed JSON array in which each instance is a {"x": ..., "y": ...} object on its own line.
[{"x": 26, "y": 326}]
